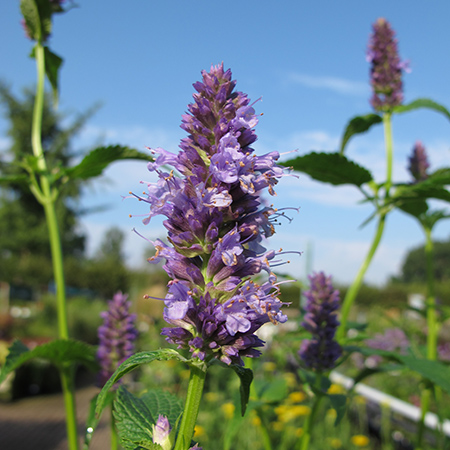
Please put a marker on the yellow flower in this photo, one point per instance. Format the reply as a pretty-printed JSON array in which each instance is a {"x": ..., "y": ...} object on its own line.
[
  {"x": 228, "y": 410},
  {"x": 296, "y": 397},
  {"x": 331, "y": 414},
  {"x": 360, "y": 400},
  {"x": 269, "y": 366},
  {"x": 212, "y": 397},
  {"x": 336, "y": 389},
  {"x": 256, "y": 421},
  {"x": 290, "y": 378},
  {"x": 359, "y": 440},
  {"x": 335, "y": 443},
  {"x": 277, "y": 426},
  {"x": 287, "y": 413},
  {"x": 199, "y": 431}
]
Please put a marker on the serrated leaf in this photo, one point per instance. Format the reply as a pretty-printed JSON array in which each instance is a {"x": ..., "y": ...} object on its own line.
[
  {"x": 98, "y": 160},
  {"x": 164, "y": 403},
  {"x": 331, "y": 168},
  {"x": 132, "y": 363},
  {"x": 415, "y": 208},
  {"x": 133, "y": 419},
  {"x": 440, "y": 176},
  {"x": 358, "y": 125},
  {"x": 339, "y": 403},
  {"x": 60, "y": 352},
  {"x": 135, "y": 416},
  {"x": 435, "y": 371},
  {"x": 422, "y": 103}
]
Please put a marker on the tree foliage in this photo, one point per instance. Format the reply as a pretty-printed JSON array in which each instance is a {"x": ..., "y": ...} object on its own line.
[{"x": 414, "y": 270}]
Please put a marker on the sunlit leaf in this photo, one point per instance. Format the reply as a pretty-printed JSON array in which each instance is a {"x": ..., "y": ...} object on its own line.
[
  {"x": 358, "y": 125},
  {"x": 95, "y": 162},
  {"x": 330, "y": 168},
  {"x": 422, "y": 103},
  {"x": 132, "y": 363},
  {"x": 60, "y": 352}
]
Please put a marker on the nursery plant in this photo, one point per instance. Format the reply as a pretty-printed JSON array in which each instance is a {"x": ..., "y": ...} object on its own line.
[{"x": 222, "y": 287}]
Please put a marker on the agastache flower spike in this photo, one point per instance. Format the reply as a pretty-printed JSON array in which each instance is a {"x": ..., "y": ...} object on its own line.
[
  {"x": 116, "y": 336},
  {"x": 418, "y": 163},
  {"x": 216, "y": 224},
  {"x": 322, "y": 350},
  {"x": 386, "y": 67}
]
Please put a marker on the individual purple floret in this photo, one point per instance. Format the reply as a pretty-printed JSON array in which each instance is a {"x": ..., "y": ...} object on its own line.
[
  {"x": 161, "y": 434},
  {"x": 322, "y": 302},
  {"x": 216, "y": 223},
  {"x": 418, "y": 162},
  {"x": 116, "y": 336},
  {"x": 386, "y": 67}
]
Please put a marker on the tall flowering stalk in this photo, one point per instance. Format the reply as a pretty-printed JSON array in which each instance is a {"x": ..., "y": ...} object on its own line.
[
  {"x": 216, "y": 222},
  {"x": 321, "y": 352},
  {"x": 117, "y": 336},
  {"x": 386, "y": 67},
  {"x": 418, "y": 163},
  {"x": 387, "y": 87},
  {"x": 418, "y": 167}
]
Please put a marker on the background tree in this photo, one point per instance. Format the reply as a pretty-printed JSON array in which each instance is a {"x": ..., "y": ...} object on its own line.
[{"x": 413, "y": 268}]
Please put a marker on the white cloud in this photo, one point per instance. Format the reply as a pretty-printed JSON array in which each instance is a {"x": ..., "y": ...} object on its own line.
[{"x": 335, "y": 84}]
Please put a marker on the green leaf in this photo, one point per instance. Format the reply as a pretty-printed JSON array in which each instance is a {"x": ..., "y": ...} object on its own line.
[
  {"x": 435, "y": 371},
  {"x": 132, "y": 363},
  {"x": 164, "y": 403},
  {"x": 382, "y": 368},
  {"x": 246, "y": 377},
  {"x": 30, "y": 14},
  {"x": 358, "y": 125},
  {"x": 136, "y": 416},
  {"x": 339, "y": 403},
  {"x": 52, "y": 64},
  {"x": 273, "y": 391},
  {"x": 60, "y": 352},
  {"x": 331, "y": 168},
  {"x": 415, "y": 208},
  {"x": 422, "y": 103},
  {"x": 98, "y": 160},
  {"x": 440, "y": 176}
]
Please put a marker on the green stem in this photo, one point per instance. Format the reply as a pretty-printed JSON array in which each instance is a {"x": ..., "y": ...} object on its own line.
[
  {"x": 433, "y": 330},
  {"x": 67, "y": 383},
  {"x": 47, "y": 199},
  {"x": 309, "y": 423},
  {"x": 191, "y": 408},
  {"x": 351, "y": 294}
]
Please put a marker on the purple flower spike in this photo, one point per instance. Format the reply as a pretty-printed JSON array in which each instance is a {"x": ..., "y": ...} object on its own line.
[
  {"x": 322, "y": 351},
  {"x": 116, "y": 336},
  {"x": 386, "y": 67},
  {"x": 216, "y": 226},
  {"x": 418, "y": 163}
]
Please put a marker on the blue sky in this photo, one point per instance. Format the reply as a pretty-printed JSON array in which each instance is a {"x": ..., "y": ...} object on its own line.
[{"x": 307, "y": 62}]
